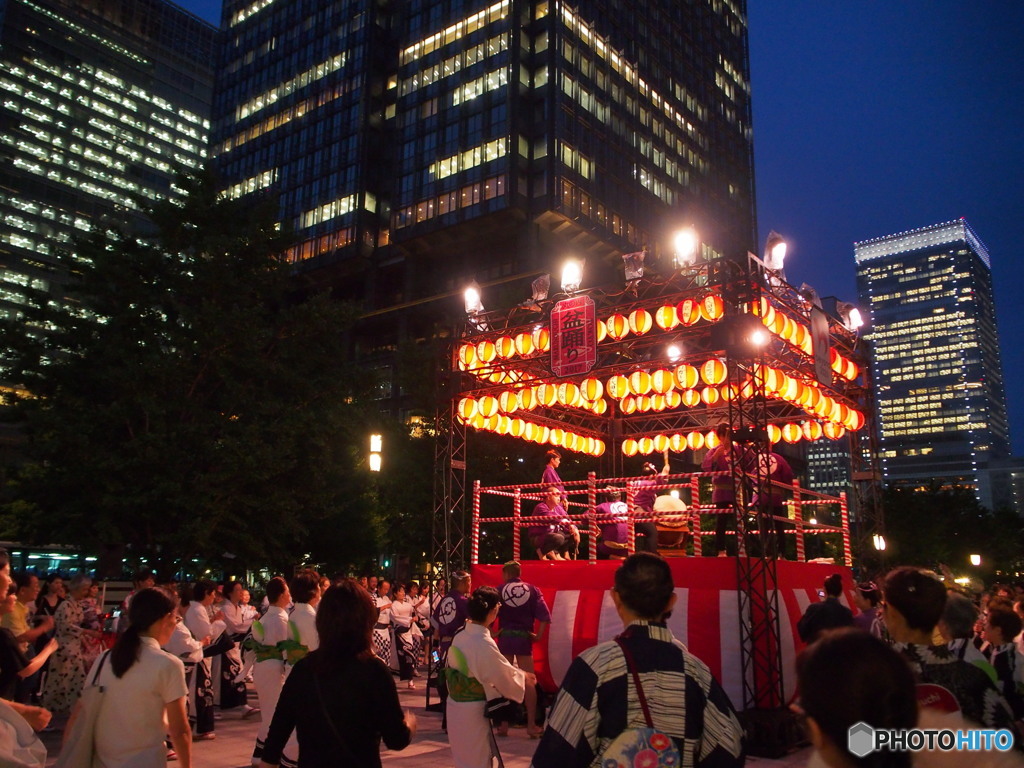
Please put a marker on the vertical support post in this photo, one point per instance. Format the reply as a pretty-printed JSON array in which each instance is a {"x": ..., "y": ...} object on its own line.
[
  {"x": 630, "y": 527},
  {"x": 844, "y": 513},
  {"x": 591, "y": 506},
  {"x": 474, "y": 549},
  {"x": 695, "y": 516},
  {"x": 517, "y": 517},
  {"x": 798, "y": 507}
]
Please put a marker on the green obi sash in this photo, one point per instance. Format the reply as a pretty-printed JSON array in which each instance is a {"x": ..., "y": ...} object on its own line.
[
  {"x": 462, "y": 687},
  {"x": 293, "y": 649}
]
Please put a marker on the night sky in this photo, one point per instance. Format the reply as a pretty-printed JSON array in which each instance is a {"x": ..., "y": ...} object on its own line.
[{"x": 874, "y": 117}]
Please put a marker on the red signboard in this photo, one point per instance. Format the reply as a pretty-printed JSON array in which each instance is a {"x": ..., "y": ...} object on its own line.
[{"x": 573, "y": 336}]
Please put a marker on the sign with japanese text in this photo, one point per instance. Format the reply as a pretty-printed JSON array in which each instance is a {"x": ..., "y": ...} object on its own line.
[{"x": 573, "y": 336}]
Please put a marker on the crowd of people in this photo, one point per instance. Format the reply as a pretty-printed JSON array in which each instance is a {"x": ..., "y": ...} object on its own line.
[{"x": 322, "y": 656}]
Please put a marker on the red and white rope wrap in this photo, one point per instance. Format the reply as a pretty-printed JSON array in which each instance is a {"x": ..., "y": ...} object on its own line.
[
  {"x": 844, "y": 513},
  {"x": 630, "y": 528},
  {"x": 592, "y": 505},
  {"x": 474, "y": 552},
  {"x": 517, "y": 524},
  {"x": 799, "y": 514},
  {"x": 695, "y": 514}
]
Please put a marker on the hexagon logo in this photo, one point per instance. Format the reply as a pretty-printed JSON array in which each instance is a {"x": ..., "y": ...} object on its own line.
[{"x": 860, "y": 739}]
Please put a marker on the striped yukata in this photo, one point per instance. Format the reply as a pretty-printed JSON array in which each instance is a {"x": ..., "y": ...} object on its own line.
[{"x": 598, "y": 700}]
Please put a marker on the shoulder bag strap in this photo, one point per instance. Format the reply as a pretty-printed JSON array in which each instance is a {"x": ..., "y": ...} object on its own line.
[
  {"x": 631, "y": 666},
  {"x": 99, "y": 668}
]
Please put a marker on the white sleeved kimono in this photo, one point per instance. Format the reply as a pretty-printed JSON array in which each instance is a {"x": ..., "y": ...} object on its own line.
[{"x": 476, "y": 656}]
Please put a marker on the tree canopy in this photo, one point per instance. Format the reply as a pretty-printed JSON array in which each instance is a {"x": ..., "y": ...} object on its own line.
[{"x": 187, "y": 400}]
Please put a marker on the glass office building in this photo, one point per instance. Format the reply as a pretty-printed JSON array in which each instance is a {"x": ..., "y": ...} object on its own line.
[
  {"x": 937, "y": 372},
  {"x": 103, "y": 102},
  {"x": 416, "y": 145}
]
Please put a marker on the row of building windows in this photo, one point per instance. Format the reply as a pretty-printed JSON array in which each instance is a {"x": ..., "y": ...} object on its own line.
[
  {"x": 577, "y": 202},
  {"x": 279, "y": 91},
  {"x": 252, "y": 184},
  {"x": 492, "y": 81},
  {"x": 332, "y": 241},
  {"x": 81, "y": 31},
  {"x": 448, "y": 202},
  {"x": 456, "y": 31},
  {"x": 453, "y": 64},
  {"x": 484, "y": 153}
]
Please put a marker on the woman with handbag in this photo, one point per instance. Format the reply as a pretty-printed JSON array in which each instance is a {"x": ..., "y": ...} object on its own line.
[
  {"x": 477, "y": 672},
  {"x": 142, "y": 694},
  {"x": 340, "y": 699}
]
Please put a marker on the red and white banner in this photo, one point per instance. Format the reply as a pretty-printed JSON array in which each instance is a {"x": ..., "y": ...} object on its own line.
[
  {"x": 573, "y": 336},
  {"x": 705, "y": 619}
]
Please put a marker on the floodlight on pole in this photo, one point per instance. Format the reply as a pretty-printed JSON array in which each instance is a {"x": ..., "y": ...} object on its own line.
[
  {"x": 879, "y": 541},
  {"x": 685, "y": 246},
  {"x": 975, "y": 560},
  {"x": 572, "y": 275},
  {"x": 759, "y": 338},
  {"x": 471, "y": 297},
  {"x": 775, "y": 252},
  {"x": 674, "y": 352},
  {"x": 376, "y": 449}
]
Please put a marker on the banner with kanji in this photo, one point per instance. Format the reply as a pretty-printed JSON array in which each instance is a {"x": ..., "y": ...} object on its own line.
[{"x": 573, "y": 336}]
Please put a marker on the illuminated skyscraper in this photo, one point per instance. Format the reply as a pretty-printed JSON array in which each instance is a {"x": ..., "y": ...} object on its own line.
[
  {"x": 937, "y": 373},
  {"x": 415, "y": 145},
  {"x": 103, "y": 101}
]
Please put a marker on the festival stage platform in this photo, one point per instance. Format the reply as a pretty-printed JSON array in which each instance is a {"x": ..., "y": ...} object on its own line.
[{"x": 705, "y": 619}]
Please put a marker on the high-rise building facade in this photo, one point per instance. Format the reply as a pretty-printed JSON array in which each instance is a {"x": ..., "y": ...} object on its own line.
[
  {"x": 415, "y": 145},
  {"x": 104, "y": 101},
  {"x": 941, "y": 406}
]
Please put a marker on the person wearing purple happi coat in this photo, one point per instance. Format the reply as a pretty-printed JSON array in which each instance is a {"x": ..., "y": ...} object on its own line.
[
  {"x": 522, "y": 608},
  {"x": 450, "y": 615}
]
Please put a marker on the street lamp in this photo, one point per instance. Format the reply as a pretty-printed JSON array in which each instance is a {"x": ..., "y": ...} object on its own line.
[
  {"x": 376, "y": 448},
  {"x": 975, "y": 560},
  {"x": 879, "y": 541}
]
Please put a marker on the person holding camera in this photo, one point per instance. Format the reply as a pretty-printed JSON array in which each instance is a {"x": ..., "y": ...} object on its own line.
[{"x": 828, "y": 614}]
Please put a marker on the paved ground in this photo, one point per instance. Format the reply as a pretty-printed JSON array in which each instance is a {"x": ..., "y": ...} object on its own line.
[{"x": 235, "y": 737}]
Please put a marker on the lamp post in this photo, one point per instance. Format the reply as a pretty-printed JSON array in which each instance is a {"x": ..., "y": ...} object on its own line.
[{"x": 376, "y": 449}]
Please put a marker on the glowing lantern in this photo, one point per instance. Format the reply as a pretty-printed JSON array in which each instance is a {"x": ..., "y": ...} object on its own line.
[
  {"x": 508, "y": 402},
  {"x": 602, "y": 331},
  {"x": 823, "y": 407},
  {"x": 497, "y": 377},
  {"x": 832, "y": 430},
  {"x": 467, "y": 355},
  {"x": 557, "y": 436},
  {"x": 677, "y": 442},
  {"x": 599, "y": 448},
  {"x": 695, "y": 440},
  {"x": 812, "y": 430},
  {"x": 844, "y": 413},
  {"x": 728, "y": 392},
  {"x": 687, "y": 376},
  {"x": 672, "y": 400},
  {"x": 691, "y": 397},
  {"x": 666, "y": 317},
  {"x": 530, "y": 431},
  {"x": 688, "y": 311},
  {"x": 747, "y": 389},
  {"x": 617, "y": 326},
  {"x": 542, "y": 339},
  {"x": 640, "y": 382},
  {"x": 808, "y": 345},
  {"x": 628, "y": 405},
  {"x": 709, "y": 395},
  {"x": 833, "y": 360},
  {"x": 591, "y": 389},
  {"x": 792, "y": 433},
  {"x": 790, "y": 388},
  {"x": 712, "y": 440},
  {"x": 505, "y": 346},
  {"x": 836, "y": 412},
  {"x": 524, "y": 344},
  {"x": 662, "y": 381},
  {"x": 657, "y": 403},
  {"x": 640, "y": 321},
  {"x": 485, "y": 350},
  {"x": 713, "y": 372},
  {"x": 778, "y": 323},
  {"x": 774, "y": 433},
  {"x": 600, "y": 407},
  {"x": 491, "y": 424},
  {"x": 661, "y": 443},
  {"x": 813, "y": 398},
  {"x": 478, "y": 421},
  {"x": 467, "y": 408},
  {"x": 854, "y": 421},
  {"x": 488, "y": 406},
  {"x": 800, "y": 335},
  {"x": 712, "y": 307},
  {"x": 618, "y": 387},
  {"x": 850, "y": 370},
  {"x": 504, "y": 422},
  {"x": 547, "y": 394},
  {"x": 527, "y": 398},
  {"x": 643, "y": 403},
  {"x": 542, "y": 434},
  {"x": 767, "y": 312},
  {"x": 630, "y": 447},
  {"x": 646, "y": 445},
  {"x": 517, "y": 427},
  {"x": 568, "y": 394}
]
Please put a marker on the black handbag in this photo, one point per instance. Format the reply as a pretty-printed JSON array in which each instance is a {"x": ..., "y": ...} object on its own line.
[{"x": 500, "y": 708}]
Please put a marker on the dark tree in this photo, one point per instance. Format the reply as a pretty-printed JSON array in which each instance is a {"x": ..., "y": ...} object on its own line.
[{"x": 185, "y": 403}]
